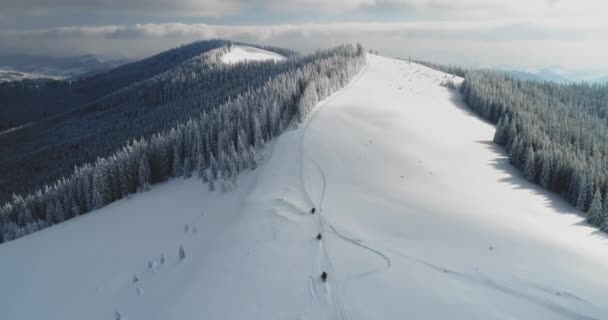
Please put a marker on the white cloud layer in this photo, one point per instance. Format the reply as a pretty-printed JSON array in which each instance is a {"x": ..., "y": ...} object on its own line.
[
  {"x": 527, "y": 33},
  {"x": 207, "y": 8},
  {"x": 518, "y": 42},
  {"x": 463, "y": 8}
]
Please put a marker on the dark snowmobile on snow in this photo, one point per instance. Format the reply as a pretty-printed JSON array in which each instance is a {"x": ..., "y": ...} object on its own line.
[
  {"x": 324, "y": 276},
  {"x": 313, "y": 210}
]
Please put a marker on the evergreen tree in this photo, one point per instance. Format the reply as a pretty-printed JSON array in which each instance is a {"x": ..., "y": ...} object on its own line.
[
  {"x": 545, "y": 174},
  {"x": 595, "y": 215},
  {"x": 604, "y": 225},
  {"x": 515, "y": 151},
  {"x": 187, "y": 168},
  {"x": 211, "y": 180},
  {"x": 581, "y": 194},
  {"x": 100, "y": 189},
  {"x": 177, "y": 163},
  {"x": 530, "y": 165},
  {"x": 58, "y": 213},
  {"x": 182, "y": 253},
  {"x": 143, "y": 182}
]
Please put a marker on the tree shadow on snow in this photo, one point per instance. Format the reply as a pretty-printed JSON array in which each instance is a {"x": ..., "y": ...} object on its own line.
[
  {"x": 516, "y": 179},
  {"x": 456, "y": 99}
]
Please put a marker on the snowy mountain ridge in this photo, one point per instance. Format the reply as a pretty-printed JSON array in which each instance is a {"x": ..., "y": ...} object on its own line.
[
  {"x": 244, "y": 53},
  {"x": 417, "y": 221}
]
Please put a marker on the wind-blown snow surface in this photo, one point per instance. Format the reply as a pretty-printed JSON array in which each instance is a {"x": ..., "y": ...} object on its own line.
[
  {"x": 239, "y": 53},
  {"x": 421, "y": 216}
]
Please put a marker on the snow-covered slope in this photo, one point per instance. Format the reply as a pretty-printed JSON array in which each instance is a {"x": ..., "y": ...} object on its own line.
[
  {"x": 240, "y": 53},
  {"x": 422, "y": 217}
]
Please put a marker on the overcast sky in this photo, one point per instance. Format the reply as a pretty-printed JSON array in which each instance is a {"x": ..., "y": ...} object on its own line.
[{"x": 529, "y": 34}]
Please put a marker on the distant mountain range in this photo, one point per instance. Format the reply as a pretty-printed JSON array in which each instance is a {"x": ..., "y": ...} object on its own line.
[
  {"x": 547, "y": 74},
  {"x": 17, "y": 67}
]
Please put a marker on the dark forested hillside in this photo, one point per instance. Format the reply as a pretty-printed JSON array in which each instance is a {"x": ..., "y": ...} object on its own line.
[
  {"x": 27, "y": 101},
  {"x": 201, "y": 118},
  {"x": 49, "y": 149},
  {"x": 556, "y": 134}
]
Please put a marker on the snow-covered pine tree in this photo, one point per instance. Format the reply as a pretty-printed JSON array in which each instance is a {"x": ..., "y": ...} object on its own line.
[
  {"x": 530, "y": 165},
  {"x": 515, "y": 151},
  {"x": 604, "y": 225},
  {"x": 58, "y": 213},
  {"x": 545, "y": 173},
  {"x": 595, "y": 215},
  {"x": 214, "y": 168},
  {"x": 500, "y": 133},
  {"x": 252, "y": 158},
  {"x": 182, "y": 253},
  {"x": 581, "y": 193},
  {"x": 143, "y": 182},
  {"x": 188, "y": 168},
  {"x": 177, "y": 163},
  {"x": 211, "y": 180},
  {"x": 100, "y": 188}
]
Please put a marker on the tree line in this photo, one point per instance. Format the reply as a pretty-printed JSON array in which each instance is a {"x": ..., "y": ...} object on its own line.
[
  {"x": 556, "y": 134},
  {"x": 216, "y": 145}
]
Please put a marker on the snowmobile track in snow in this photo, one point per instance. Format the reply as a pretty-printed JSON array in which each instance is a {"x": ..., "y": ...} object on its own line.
[{"x": 333, "y": 296}]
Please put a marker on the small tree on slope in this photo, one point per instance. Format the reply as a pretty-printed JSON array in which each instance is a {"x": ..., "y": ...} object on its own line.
[{"x": 182, "y": 253}]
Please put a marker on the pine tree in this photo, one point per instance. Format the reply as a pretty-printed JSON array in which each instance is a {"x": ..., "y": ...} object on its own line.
[
  {"x": 515, "y": 152},
  {"x": 499, "y": 134},
  {"x": 214, "y": 170},
  {"x": 605, "y": 207},
  {"x": 545, "y": 173},
  {"x": 201, "y": 165},
  {"x": 143, "y": 182},
  {"x": 581, "y": 200},
  {"x": 257, "y": 137},
  {"x": 252, "y": 158},
  {"x": 123, "y": 178},
  {"x": 187, "y": 168},
  {"x": 595, "y": 213},
  {"x": 530, "y": 165},
  {"x": 58, "y": 213},
  {"x": 604, "y": 225},
  {"x": 177, "y": 163},
  {"x": 182, "y": 253},
  {"x": 211, "y": 181},
  {"x": 100, "y": 190}
]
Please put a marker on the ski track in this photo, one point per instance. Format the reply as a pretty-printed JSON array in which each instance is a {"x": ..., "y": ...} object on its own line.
[
  {"x": 333, "y": 297},
  {"x": 487, "y": 282}
]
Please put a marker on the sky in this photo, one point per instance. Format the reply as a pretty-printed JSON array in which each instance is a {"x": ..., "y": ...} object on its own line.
[{"x": 565, "y": 35}]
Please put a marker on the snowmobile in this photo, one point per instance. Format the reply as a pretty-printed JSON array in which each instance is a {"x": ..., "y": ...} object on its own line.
[
  {"x": 324, "y": 276},
  {"x": 319, "y": 236},
  {"x": 313, "y": 210}
]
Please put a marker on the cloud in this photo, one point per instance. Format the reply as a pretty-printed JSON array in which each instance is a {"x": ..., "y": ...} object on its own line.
[
  {"x": 573, "y": 44},
  {"x": 452, "y": 8},
  {"x": 205, "y": 8},
  {"x": 218, "y": 8}
]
